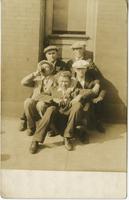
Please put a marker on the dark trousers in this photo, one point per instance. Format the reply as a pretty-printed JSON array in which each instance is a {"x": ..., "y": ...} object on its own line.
[
  {"x": 31, "y": 113},
  {"x": 94, "y": 115},
  {"x": 34, "y": 110},
  {"x": 72, "y": 119},
  {"x": 98, "y": 110},
  {"x": 23, "y": 117}
]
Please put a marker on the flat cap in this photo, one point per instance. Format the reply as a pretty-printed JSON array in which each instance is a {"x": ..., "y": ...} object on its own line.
[
  {"x": 45, "y": 62},
  {"x": 78, "y": 45},
  {"x": 49, "y": 48},
  {"x": 82, "y": 64}
]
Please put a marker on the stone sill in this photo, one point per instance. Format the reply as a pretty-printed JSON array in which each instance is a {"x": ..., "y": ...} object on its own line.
[{"x": 68, "y": 36}]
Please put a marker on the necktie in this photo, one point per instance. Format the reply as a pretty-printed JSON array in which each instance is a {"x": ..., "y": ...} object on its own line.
[{"x": 42, "y": 84}]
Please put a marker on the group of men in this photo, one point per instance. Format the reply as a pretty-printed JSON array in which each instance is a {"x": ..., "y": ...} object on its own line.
[{"x": 66, "y": 98}]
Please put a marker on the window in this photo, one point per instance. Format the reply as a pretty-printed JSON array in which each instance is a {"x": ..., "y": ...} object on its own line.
[{"x": 69, "y": 16}]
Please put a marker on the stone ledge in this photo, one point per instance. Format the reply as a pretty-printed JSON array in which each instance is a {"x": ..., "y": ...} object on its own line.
[{"x": 69, "y": 36}]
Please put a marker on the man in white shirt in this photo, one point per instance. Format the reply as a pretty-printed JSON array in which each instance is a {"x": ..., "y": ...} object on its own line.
[{"x": 86, "y": 80}]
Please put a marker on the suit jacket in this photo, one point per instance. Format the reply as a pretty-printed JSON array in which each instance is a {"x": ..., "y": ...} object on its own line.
[
  {"x": 86, "y": 91},
  {"x": 93, "y": 73},
  {"x": 92, "y": 69},
  {"x": 59, "y": 65},
  {"x": 88, "y": 55},
  {"x": 60, "y": 99},
  {"x": 41, "y": 85}
]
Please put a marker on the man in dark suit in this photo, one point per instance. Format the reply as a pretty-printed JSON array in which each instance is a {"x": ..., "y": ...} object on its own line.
[
  {"x": 80, "y": 53},
  {"x": 85, "y": 79},
  {"x": 52, "y": 56}
]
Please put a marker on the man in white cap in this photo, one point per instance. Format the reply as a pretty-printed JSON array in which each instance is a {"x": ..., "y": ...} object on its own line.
[
  {"x": 80, "y": 53},
  {"x": 41, "y": 80},
  {"x": 87, "y": 80}
]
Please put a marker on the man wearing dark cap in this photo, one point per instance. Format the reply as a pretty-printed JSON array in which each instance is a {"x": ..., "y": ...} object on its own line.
[
  {"x": 69, "y": 112},
  {"x": 41, "y": 80},
  {"x": 51, "y": 54}
]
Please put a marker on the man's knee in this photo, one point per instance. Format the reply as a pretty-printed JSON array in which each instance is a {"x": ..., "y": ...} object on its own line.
[
  {"x": 40, "y": 106},
  {"x": 28, "y": 102},
  {"x": 51, "y": 109}
]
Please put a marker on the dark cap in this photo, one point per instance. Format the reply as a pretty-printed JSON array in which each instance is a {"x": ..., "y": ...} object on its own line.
[{"x": 49, "y": 48}]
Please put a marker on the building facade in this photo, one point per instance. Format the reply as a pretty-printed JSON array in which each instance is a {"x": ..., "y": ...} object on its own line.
[{"x": 29, "y": 25}]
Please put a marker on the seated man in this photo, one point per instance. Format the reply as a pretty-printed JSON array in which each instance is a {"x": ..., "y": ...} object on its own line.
[
  {"x": 69, "y": 112},
  {"x": 80, "y": 53},
  {"x": 86, "y": 80},
  {"x": 52, "y": 56},
  {"x": 35, "y": 106}
]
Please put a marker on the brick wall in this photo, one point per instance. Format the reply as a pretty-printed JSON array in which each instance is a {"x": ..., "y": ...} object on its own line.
[{"x": 20, "y": 48}]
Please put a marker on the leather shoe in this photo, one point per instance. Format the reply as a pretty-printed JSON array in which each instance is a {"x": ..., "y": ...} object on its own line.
[
  {"x": 34, "y": 147},
  {"x": 68, "y": 144},
  {"x": 82, "y": 134},
  {"x": 23, "y": 125},
  {"x": 100, "y": 127},
  {"x": 30, "y": 132},
  {"x": 52, "y": 134},
  {"x": 84, "y": 138}
]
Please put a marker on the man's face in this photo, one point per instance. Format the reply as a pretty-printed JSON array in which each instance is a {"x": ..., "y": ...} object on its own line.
[
  {"x": 46, "y": 69},
  {"x": 78, "y": 53},
  {"x": 80, "y": 72},
  {"x": 52, "y": 55},
  {"x": 64, "y": 82}
]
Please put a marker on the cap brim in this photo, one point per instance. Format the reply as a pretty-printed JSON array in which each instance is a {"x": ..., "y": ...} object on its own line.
[
  {"x": 80, "y": 67},
  {"x": 47, "y": 50}
]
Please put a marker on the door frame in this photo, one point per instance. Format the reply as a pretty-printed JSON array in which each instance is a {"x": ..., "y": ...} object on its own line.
[{"x": 91, "y": 21}]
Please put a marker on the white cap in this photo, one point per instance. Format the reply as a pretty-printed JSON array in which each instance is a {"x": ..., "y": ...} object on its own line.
[{"x": 82, "y": 64}]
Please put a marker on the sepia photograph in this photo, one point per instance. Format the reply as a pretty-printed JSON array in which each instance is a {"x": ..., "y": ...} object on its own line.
[{"x": 64, "y": 89}]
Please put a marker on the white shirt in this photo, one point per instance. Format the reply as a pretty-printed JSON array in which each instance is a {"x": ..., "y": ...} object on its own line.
[{"x": 82, "y": 82}]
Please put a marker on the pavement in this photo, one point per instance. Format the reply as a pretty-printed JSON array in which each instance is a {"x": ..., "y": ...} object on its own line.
[{"x": 105, "y": 152}]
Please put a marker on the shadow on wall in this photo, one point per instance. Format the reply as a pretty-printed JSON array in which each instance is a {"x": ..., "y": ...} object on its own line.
[{"x": 113, "y": 108}]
